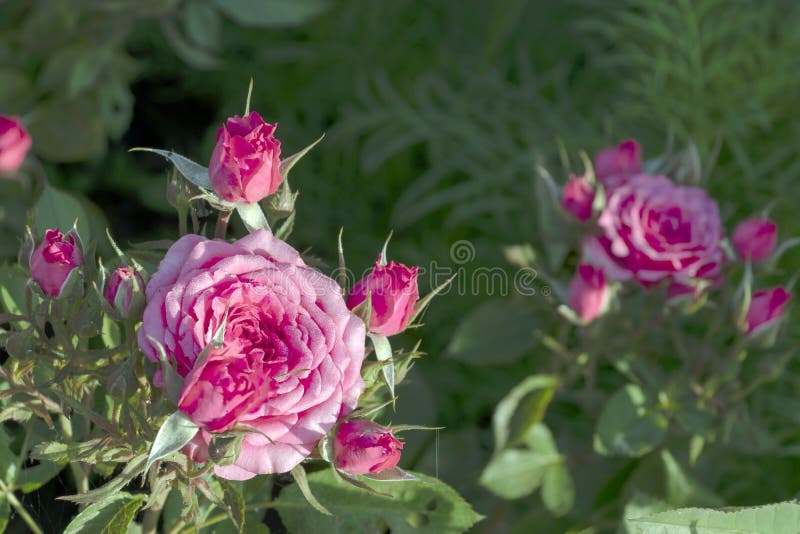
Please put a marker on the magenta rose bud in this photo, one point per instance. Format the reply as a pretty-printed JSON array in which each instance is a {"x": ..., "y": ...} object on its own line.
[
  {"x": 394, "y": 292},
  {"x": 14, "y": 144},
  {"x": 53, "y": 261},
  {"x": 614, "y": 165},
  {"x": 288, "y": 364},
  {"x": 245, "y": 164},
  {"x": 589, "y": 293},
  {"x": 755, "y": 239},
  {"x": 767, "y": 307},
  {"x": 362, "y": 447},
  {"x": 577, "y": 197},
  {"x": 125, "y": 291},
  {"x": 654, "y": 229}
]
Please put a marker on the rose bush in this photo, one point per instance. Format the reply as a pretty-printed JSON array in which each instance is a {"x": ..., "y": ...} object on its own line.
[
  {"x": 289, "y": 364},
  {"x": 654, "y": 229}
]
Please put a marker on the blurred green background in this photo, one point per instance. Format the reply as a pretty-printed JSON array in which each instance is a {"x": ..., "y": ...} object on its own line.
[{"x": 436, "y": 114}]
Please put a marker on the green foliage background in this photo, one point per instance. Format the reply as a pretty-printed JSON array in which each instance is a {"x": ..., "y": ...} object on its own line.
[{"x": 436, "y": 114}]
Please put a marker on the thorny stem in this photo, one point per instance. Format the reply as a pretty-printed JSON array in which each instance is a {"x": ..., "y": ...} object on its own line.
[
  {"x": 81, "y": 478},
  {"x": 23, "y": 513},
  {"x": 152, "y": 515}
]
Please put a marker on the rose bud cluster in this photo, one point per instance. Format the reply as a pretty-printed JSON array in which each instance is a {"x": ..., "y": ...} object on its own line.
[
  {"x": 53, "y": 261},
  {"x": 577, "y": 197},
  {"x": 245, "y": 164},
  {"x": 362, "y": 447},
  {"x": 755, "y": 239},
  {"x": 124, "y": 291},
  {"x": 14, "y": 144},
  {"x": 393, "y": 292},
  {"x": 589, "y": 293}
]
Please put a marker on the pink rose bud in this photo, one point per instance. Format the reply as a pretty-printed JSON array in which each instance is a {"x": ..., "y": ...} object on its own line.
[
  {"x": 125, "y": 291},
  {"x": 394, "y": 293},
  {"x": 766, "y": 309},
  {"x": 53, "y": 261},
  {"x": 14, "y": 144},
  {"x": 755, "y": 239},
  {"x": 577, "y": 197},
  {"x": 363, "y": 447},
  {"x": 245, "y": 164},
  {"x": 614, "y": 165},
  {"x": 589, "y": 293}
]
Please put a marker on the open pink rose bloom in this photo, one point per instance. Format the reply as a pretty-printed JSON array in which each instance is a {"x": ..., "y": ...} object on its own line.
[{"x": 289, "y": 365}]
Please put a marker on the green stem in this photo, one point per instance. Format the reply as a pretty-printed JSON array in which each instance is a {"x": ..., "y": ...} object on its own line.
[
  {"x": 81, "y": 477},
  {"x": 23, "y": 513},
  {"x": 221, "y": 229},
  {"x": 152, "y": 515}
]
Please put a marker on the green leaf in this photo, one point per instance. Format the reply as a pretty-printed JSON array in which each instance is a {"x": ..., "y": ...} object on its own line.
[
  {"x": 111, "y": 516},
  {"x": 5, "y": 512},
  {"x": 288, "y": 163},
  {"x": 131, "y": 470},
  {"x": 498, "y": 331},
  {"x": 418, "y": 507},
  {"x": 558, "y": 490},
  {"x": 12, "y": 288},
  {"x": 630, "y": 424},
  {"x": 515, "y": 473},
  {"x": 271, "y": 13},
  {"x": 176, "y": 432},
  {"x": 67, "y": 130},
  {"x": 683, "y": 490},
  {"x": 252, "y": 217},
  {"x": 301, "y": 481},
  {"x": 57, "y": 209},
  {"x": 781, "y": 518},
  {"x": 194, "y": 172},
  {"x": 536, "y": 392},
  {"x": 383, "y": 352},
  {"x": 16, "y": 93},
  {"x": 235, "y": 503},
  {"x": 34, "y": 477}
]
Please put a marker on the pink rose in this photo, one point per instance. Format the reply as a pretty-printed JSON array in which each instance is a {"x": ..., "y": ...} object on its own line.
[
  {"x": 755, "y": 239},
  {"x": 655, "y": 229},
  {"x": 14, "y": 144},
  {"x": 289, "y": 364},
  {"x": 589, "y": 293},
  {"x": 363, "y": 447},
  {"x": 766, "y": 309},
  {"x": 53, "y": 260},
  {"x": 245, "y": 164},
  {"x": 614, "y": 165},
  {"x": 394, "y": 293},
  {"x": 577, "y": 197},
  {"x": 124, "y": 290}
]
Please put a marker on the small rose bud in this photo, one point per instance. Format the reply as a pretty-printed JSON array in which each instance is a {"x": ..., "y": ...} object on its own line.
[
  {"x": 245, "y": 164},
  {"x": 53, "y": 260},
  {"x": 394, "y": 292},
  {"x": 577, "y": 197},
  {"x": 589, "y": 294},
  {"x": 125, "y": 292},
  {"x": 767, "y": 307},
  {"x": 197, "y": 448},
  {"x": 755, "y": 239},
  {"x": 363, "y": 447},
  {"x": 614, "y": 165},
  {"x": 14, "y": 144}
]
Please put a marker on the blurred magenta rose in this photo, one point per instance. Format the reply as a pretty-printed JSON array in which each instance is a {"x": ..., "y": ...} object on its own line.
[
  {"x": 245, "y": 164},
  {"x": 14, "y": 144},
  {"x": 589, "y": 293},
  {"x": 289, "y": 364},
  {"x": 394, "y": 293},
  {"x": 124, "y": 291},
  {"x": 363, "y": 447},
  {"x": 755, "y": 239},
  {"x": 577, "y": 197},
  {"x": 53, "y": 260},
  {"x": 767, "y": 307},
  {"x": 655, "y": 229},
  {"x": 614, "y": 165}
]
